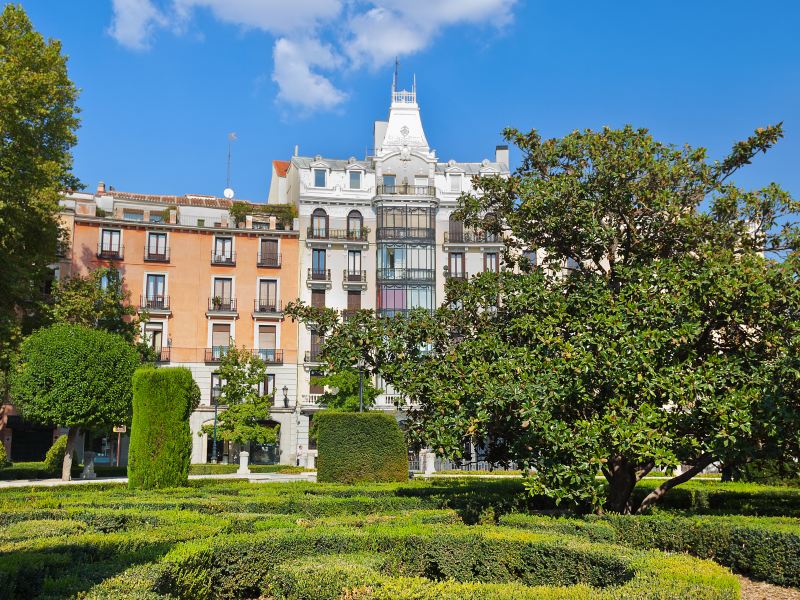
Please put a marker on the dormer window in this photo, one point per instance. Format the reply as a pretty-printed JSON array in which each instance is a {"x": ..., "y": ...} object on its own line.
[
  {"x": 320, "y": 178},
  {"x": 355, "y": 180},
  {"x": 456, "y": 183}
]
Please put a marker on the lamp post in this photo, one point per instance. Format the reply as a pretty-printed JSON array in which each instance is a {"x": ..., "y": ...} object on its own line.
[
  {"x": 360, "y": 365},
  {"x": 285, "y": 396}
]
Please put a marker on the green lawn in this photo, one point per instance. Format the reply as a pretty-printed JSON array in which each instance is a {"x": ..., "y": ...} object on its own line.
[{"x": 459, "y": 539}]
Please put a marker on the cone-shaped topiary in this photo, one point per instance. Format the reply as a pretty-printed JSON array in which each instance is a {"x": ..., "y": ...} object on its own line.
[{"x": 161, "y": 443}]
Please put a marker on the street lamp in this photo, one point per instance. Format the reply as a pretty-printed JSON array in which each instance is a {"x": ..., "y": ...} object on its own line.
[
  {"x": 360, "y": 364},
  {"x": 286, "y": 396}
]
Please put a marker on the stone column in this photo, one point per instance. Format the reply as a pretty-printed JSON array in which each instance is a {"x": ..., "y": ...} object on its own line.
[
  {"x": 244, "y": 458},
  {"x": 88, "y": 465}
]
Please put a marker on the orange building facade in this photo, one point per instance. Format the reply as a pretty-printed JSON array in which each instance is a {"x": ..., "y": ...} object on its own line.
[{"x": 205, "y": 283}]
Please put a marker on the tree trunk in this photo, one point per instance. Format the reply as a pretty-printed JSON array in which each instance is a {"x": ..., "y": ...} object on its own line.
[
  {"x": 658, "y": 493},
  {"x": 621, "y": 482},
  {"x": 66, "y": 468}
]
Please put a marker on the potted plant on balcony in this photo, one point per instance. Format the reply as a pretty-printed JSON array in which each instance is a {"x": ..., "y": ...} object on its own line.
[{"x": 216, "y": 302}]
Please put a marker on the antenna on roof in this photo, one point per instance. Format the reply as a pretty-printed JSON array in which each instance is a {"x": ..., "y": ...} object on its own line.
[
  {"x": 396, "y": 73},
  {"x": 414, "y": 89},
  {"x": 228, "y": 191}
]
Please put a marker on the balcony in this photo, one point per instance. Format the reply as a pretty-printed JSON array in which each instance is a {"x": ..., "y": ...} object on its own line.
[
  {"x": 163, "y": 355},
  {"x": 326, "y": 237},
  {"x": 267, "y": 309},
  {"x": 421, "y": 234},
  {"x": 110, "y": 251},
  {"x": 156, "y": 255},
  {"x": 407, "y": 190},
  {"x": 269, "y": 260},
  {"x": 354, "y": 280},
  {"x": 348, "y": 314},
  {"x": 227, "y": 258},
  {"x": 319, "y": 279},
  {"x": 389, "y": 313},
  {"x": 471, "y": 238},
  {"x": 313, "y": 356},
  {"x": 458, "y": 275},
  {"x": 312, "y": 399},
  {"x": 270, "y": 356},
  {"x": 414, "y": 275},
  {"x": 155, "y": 304},
  {"x": 215, "y": 354},
  {"x": 222, "y": 306}
]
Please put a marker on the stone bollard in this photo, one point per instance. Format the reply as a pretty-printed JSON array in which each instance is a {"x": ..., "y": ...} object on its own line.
[
  {"x": 244, "y": 458},
  {"x": 88, "y": 466},
  {"x": 430, "y": 462}
]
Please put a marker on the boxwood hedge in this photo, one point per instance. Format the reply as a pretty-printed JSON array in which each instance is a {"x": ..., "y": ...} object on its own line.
[{"x": 360, "y": 447}]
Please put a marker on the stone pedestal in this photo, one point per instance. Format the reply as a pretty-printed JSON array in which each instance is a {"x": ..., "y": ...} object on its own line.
[
  {"x": 88, "y": 466},
  {"x": 244, "y": 459},
  {"x": 429, "y": 459}
]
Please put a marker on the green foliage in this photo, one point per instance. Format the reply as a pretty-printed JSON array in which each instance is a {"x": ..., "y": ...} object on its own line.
[
  {"x": 244, "y": 419},
  {"x": 161, "y": 442},
  {"x": 663, "y": 329},
  {"x": 221, "y": 469},
  {"x": 72, "y": 376},
  {"x": 283, "y": 212},
  {"x": 356, "y": 447},
  {"x": 4, "y": 462},
  {"x": 341, "y": 391},
  {"x": 38, "y": 121},
  {"x": 55, "y": 455},
  {"x": 98, "y": 300}
]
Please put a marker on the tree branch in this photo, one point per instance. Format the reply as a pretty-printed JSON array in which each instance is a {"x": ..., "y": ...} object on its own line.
[{"x": 658, "y": 493}]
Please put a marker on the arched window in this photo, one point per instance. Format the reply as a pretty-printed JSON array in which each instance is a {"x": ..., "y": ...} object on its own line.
[
  {"x": 355, "y": 225},
  {"x": 319, "y": 224},
  {"x": 456, "y": 230}
]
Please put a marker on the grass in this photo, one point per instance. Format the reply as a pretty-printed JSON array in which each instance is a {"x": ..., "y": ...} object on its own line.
[{"x": 448, "y": 538}]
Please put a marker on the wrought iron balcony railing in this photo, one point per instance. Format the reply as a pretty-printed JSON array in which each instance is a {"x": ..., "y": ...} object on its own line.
[
  {"x": 406, "y": 275},
  {"x": 407, "y": 233},
  {"x": 219, "y": 304},
  {"x": 110, "y": 251},
  {"x": 154, "y": 302},
  {"x": 266, "y": 259},
  {"x": 223, "y": 258},
  {"x": 324, "y": 233},
  {"x": 354, "y": 276},
  {"x": 267, "y": 306},
  {"x": 319, "y": 274},
  {"x": 271, "y": 356},
  {"x": 156, "y": 255},
  {"x": 215, "y": 354},
  {"x": 471, "y": 237},
  {"x": 406, "y": 190}
]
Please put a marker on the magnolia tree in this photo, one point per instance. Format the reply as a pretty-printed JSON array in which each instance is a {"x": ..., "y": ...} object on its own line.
[{"x": 660, "y": 329}]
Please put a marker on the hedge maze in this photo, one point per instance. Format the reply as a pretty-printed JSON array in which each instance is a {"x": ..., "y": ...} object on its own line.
[{"x": 451, "y": 539}]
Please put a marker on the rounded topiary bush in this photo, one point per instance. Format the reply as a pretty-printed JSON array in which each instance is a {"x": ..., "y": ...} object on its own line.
[
  {"x": 55, "y": 455},
  {"x": 161, "y": 442},
  {"x": 4, "y": 462},
  {"x": 357, "y": 447}
]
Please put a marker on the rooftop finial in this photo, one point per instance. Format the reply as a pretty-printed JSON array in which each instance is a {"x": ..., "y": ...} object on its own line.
[{"x": 396, "y": 73}]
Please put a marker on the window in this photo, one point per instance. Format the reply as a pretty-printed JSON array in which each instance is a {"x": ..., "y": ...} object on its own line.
[
  {"x": 573, "y": 264},
  {"x": 316, "y": 344},
  {"x": 220, "y": 339},
  {"x": 491, "y": 262},
  {"x": 455, "y": 183},
  {"x": 456, "y": 230},
  {"x": 456, "y": 264},
  {"x": 157, "y": 246},
  {"x": 223, "y": 249},
  {"x": 129, "y": 214},
  {"x": 223, "y": 293},
  {"x": 389, "y": 182},
  {"x": 110, "y": 241},
  {"x": 216, "y": 388},
  {"x": 318, "y": 298},
  {"x": 355, "y": 225},
  {"x": 530, "y": 256},
  {"x": 267, "y": 335},
  {"x": 155, "y": 288},
  {"x": 354, "y": 265},
  {"x": 154, "y": 336},
  {"x": 316, "y": 388},
  {"x": 355, "y": 180},
  {"x": 320, "y": 176},
  {"x": 319, "y": 223},
  {"x": 268, "y": 295},
  {"x": 318, "y": 268},
  {"x": 420, "y": 181},
  {"x": 268, "y": 250},
  {"x": 266, "y": 389},
  {"x": 353, "y": 300}
]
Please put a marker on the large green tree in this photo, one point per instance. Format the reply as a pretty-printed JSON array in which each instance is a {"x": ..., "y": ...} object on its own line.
[
  {"x": 38, "y": 121},
  {"x": 661, "y": 329},
  {"x": 74, "y": 377}
]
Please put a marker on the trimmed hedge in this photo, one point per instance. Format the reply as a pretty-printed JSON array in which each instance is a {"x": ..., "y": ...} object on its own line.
[
  {"x": 217, "y": 469},
  {"x": 161, "y": 442},
  {"x": 360, "y": 447},
  {"x": 757, "y": 548},
  {"x": 54, "y": 459}
]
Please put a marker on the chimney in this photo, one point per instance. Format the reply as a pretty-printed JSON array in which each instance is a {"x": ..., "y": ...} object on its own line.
[
  {"x": 501, "y": 155},
  {"x": 297, "y": 149},
  {"x": 101, "y": 188}
]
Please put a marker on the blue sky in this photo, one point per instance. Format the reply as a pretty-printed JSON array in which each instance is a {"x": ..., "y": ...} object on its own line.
[{"x": 164, "y": 81}]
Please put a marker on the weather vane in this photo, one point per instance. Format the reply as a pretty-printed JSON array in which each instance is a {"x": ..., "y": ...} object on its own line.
[{"x": 228, "y": 193}]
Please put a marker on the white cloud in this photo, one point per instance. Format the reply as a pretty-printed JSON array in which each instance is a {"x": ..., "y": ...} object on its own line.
[
  {"x": 134, "y": 22},
  {"x": 364, "y": 32},
  {"x": 297, "y": 83}
]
